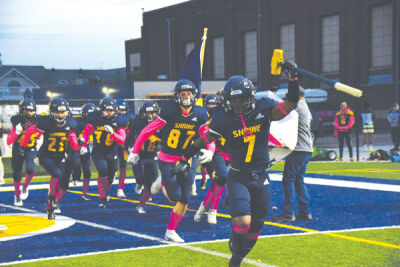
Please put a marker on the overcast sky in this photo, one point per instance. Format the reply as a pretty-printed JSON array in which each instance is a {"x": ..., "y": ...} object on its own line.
[{"x": 71, "y": 34}]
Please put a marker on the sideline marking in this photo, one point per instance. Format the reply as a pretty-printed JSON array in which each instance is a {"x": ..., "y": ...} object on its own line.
[
  {"x": 343, "y": 183},
  {"x": 131, "y": 233}
]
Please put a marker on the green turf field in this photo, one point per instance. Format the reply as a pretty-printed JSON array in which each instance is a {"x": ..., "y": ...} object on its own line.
[
  {"x": 354, "y": 248},
  {"x": 376, "y": 169}
]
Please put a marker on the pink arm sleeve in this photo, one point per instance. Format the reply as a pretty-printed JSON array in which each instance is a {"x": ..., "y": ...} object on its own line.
[
  {"x": 11, "y": 137},
  {"x": 73, "y": 140},
  {"x": 147, "y": 131},
  {"x": 86, "y": 133},
  {"x": 119, "y": 136},
  {"x": 203, "y": 130},
  {"x": 31, "y": 130},
  {"x": 336, "y": 123}
]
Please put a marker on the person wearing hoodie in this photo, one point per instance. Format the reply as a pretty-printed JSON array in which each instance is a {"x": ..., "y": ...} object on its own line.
[
  {"x": 393, "y": 118},
  {"x": 344, "y": 121}
]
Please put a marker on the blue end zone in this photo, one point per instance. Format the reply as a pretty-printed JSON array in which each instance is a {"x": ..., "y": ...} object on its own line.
[{"x": 333, "y": 208}]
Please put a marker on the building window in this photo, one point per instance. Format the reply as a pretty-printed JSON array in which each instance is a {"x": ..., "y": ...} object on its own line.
[
  {"x": 188, "y": 48},
  {"x": 134, "y": 60},
  {"x": 330, "y": 44},
  {"x": 381, "y": 36},
  {"x": 250, "y": 55},
  {"x": 14, "y": 84},
  {"x": 219, "y": 58},
  {"x": 287, "y": 41},
  {"x": 62, "y": 82}
]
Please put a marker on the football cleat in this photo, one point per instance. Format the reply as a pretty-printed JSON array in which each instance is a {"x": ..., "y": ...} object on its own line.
[
  {"x": 57, "y": 208},
  {"x": 138, "y": 188},
  {"x": 17, "y": 201},
  {"x": 194, "y": 193},
  {"x": 156, "y": 186},
  {"x": 203, "y": 183},
  {"x": 199, "y": 213},
  {"x": 85, "y": 197},
  {"x": 283, "y": 218},
  {"x": 50, "y": 214},
  {"x": 303, "y": 216},
  {"x": 120, "y": 193},
  {"x": 140, "y": 210},
  {"x": 171, "y": 235},
  {"x": 103, "y": 203},
  {"x": 212, "y": 216},
  {"x": 24, "y": 192}
]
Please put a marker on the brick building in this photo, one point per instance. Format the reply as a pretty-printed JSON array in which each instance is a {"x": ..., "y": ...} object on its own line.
[{"x": 348, "y": 40}]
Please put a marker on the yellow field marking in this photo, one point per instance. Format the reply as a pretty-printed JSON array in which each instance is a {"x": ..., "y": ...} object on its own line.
[
  {"x": 351, "y": 238},
  {"x": 17, "y": 225},
  {"x": 226, "y": 216}
]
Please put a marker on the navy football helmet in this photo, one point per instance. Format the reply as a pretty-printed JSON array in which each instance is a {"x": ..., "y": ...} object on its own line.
[
  {"x": 27, "y": 105},
  {"x": 212, "y": 99},
  {"x": 107, "y": 103},
  {"x": 88, "y": 108},
  {"x": 122, "y": 105},
  {"x": 148, "y": 111},
  {"x": 238, "y": 96},
  {"x": 185, "y": 85},
  {"x": 59, "y": 109}
]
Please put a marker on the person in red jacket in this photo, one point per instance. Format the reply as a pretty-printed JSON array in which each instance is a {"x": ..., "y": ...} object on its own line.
[{"x": 344, "y": 121}]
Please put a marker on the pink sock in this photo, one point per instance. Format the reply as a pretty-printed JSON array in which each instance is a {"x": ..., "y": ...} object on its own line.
[
  {"x": 17, "y": 191},
  {"x": 241, "y": 230},
  {"x": 60, "y": 195},
  {"x": 28, "y": 179},
  {"x": 85, "y": 187},
  {"x": 216, "y": 196},
  {"x": 53, "y": 185},
  {"x": 145, "y": 196},
  {"x": 207, "y": 200},
  {"x": 121, "y": 178},
  {"x": 174, "y": 221},
  {"x": 101, "y": 186}
]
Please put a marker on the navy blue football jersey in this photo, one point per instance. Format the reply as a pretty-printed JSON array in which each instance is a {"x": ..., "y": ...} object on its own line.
[
  {"x": 102, "y": 140},
  {"x": 55, "y": 136},
  {"x": 180, "y": 130},
  {"x": 150, "y": 148},
  {"x": 250, "y": 151},
  {"x": 18, "y": 119}
]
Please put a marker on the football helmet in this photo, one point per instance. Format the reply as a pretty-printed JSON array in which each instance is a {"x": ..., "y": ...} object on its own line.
[
  {"x": 87, "y": 108},
  {"x": 27, "y": 105},
  {"x": 185, "y": 85},
  {"x": 108, "y": 104},
  {"x": 59, "y": 109},
  {"x": 238, "y": 96},
  {"x": 151, "y": 107}
]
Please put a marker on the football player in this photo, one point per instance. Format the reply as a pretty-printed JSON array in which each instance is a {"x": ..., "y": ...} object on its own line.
[
  {"x": 182, "y": 121},
  {"x": 85, "y": 152},
  {"x": 108, "y": 132},
  {"x": 245, "y": 123},
  {"x": 220, "y": 163},
  {"x": 146, "y": 170},
  {"x": 58, "y": 129},
  {"x": 20, "y": 122},
  {"x": 122, "y": 109}
]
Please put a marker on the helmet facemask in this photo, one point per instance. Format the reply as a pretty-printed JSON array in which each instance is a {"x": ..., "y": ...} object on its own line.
[
  {"x": 29, "y": 113},
  {"x": 241, "y": 104},
  {"x": 186, "y": 98},
  {"x": 60, "y": 115}
]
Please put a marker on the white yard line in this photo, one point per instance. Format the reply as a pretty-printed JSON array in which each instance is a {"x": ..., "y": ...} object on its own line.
[
  {"x": 130, "y": 233},
  {"x": 343, "y": 183}
]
